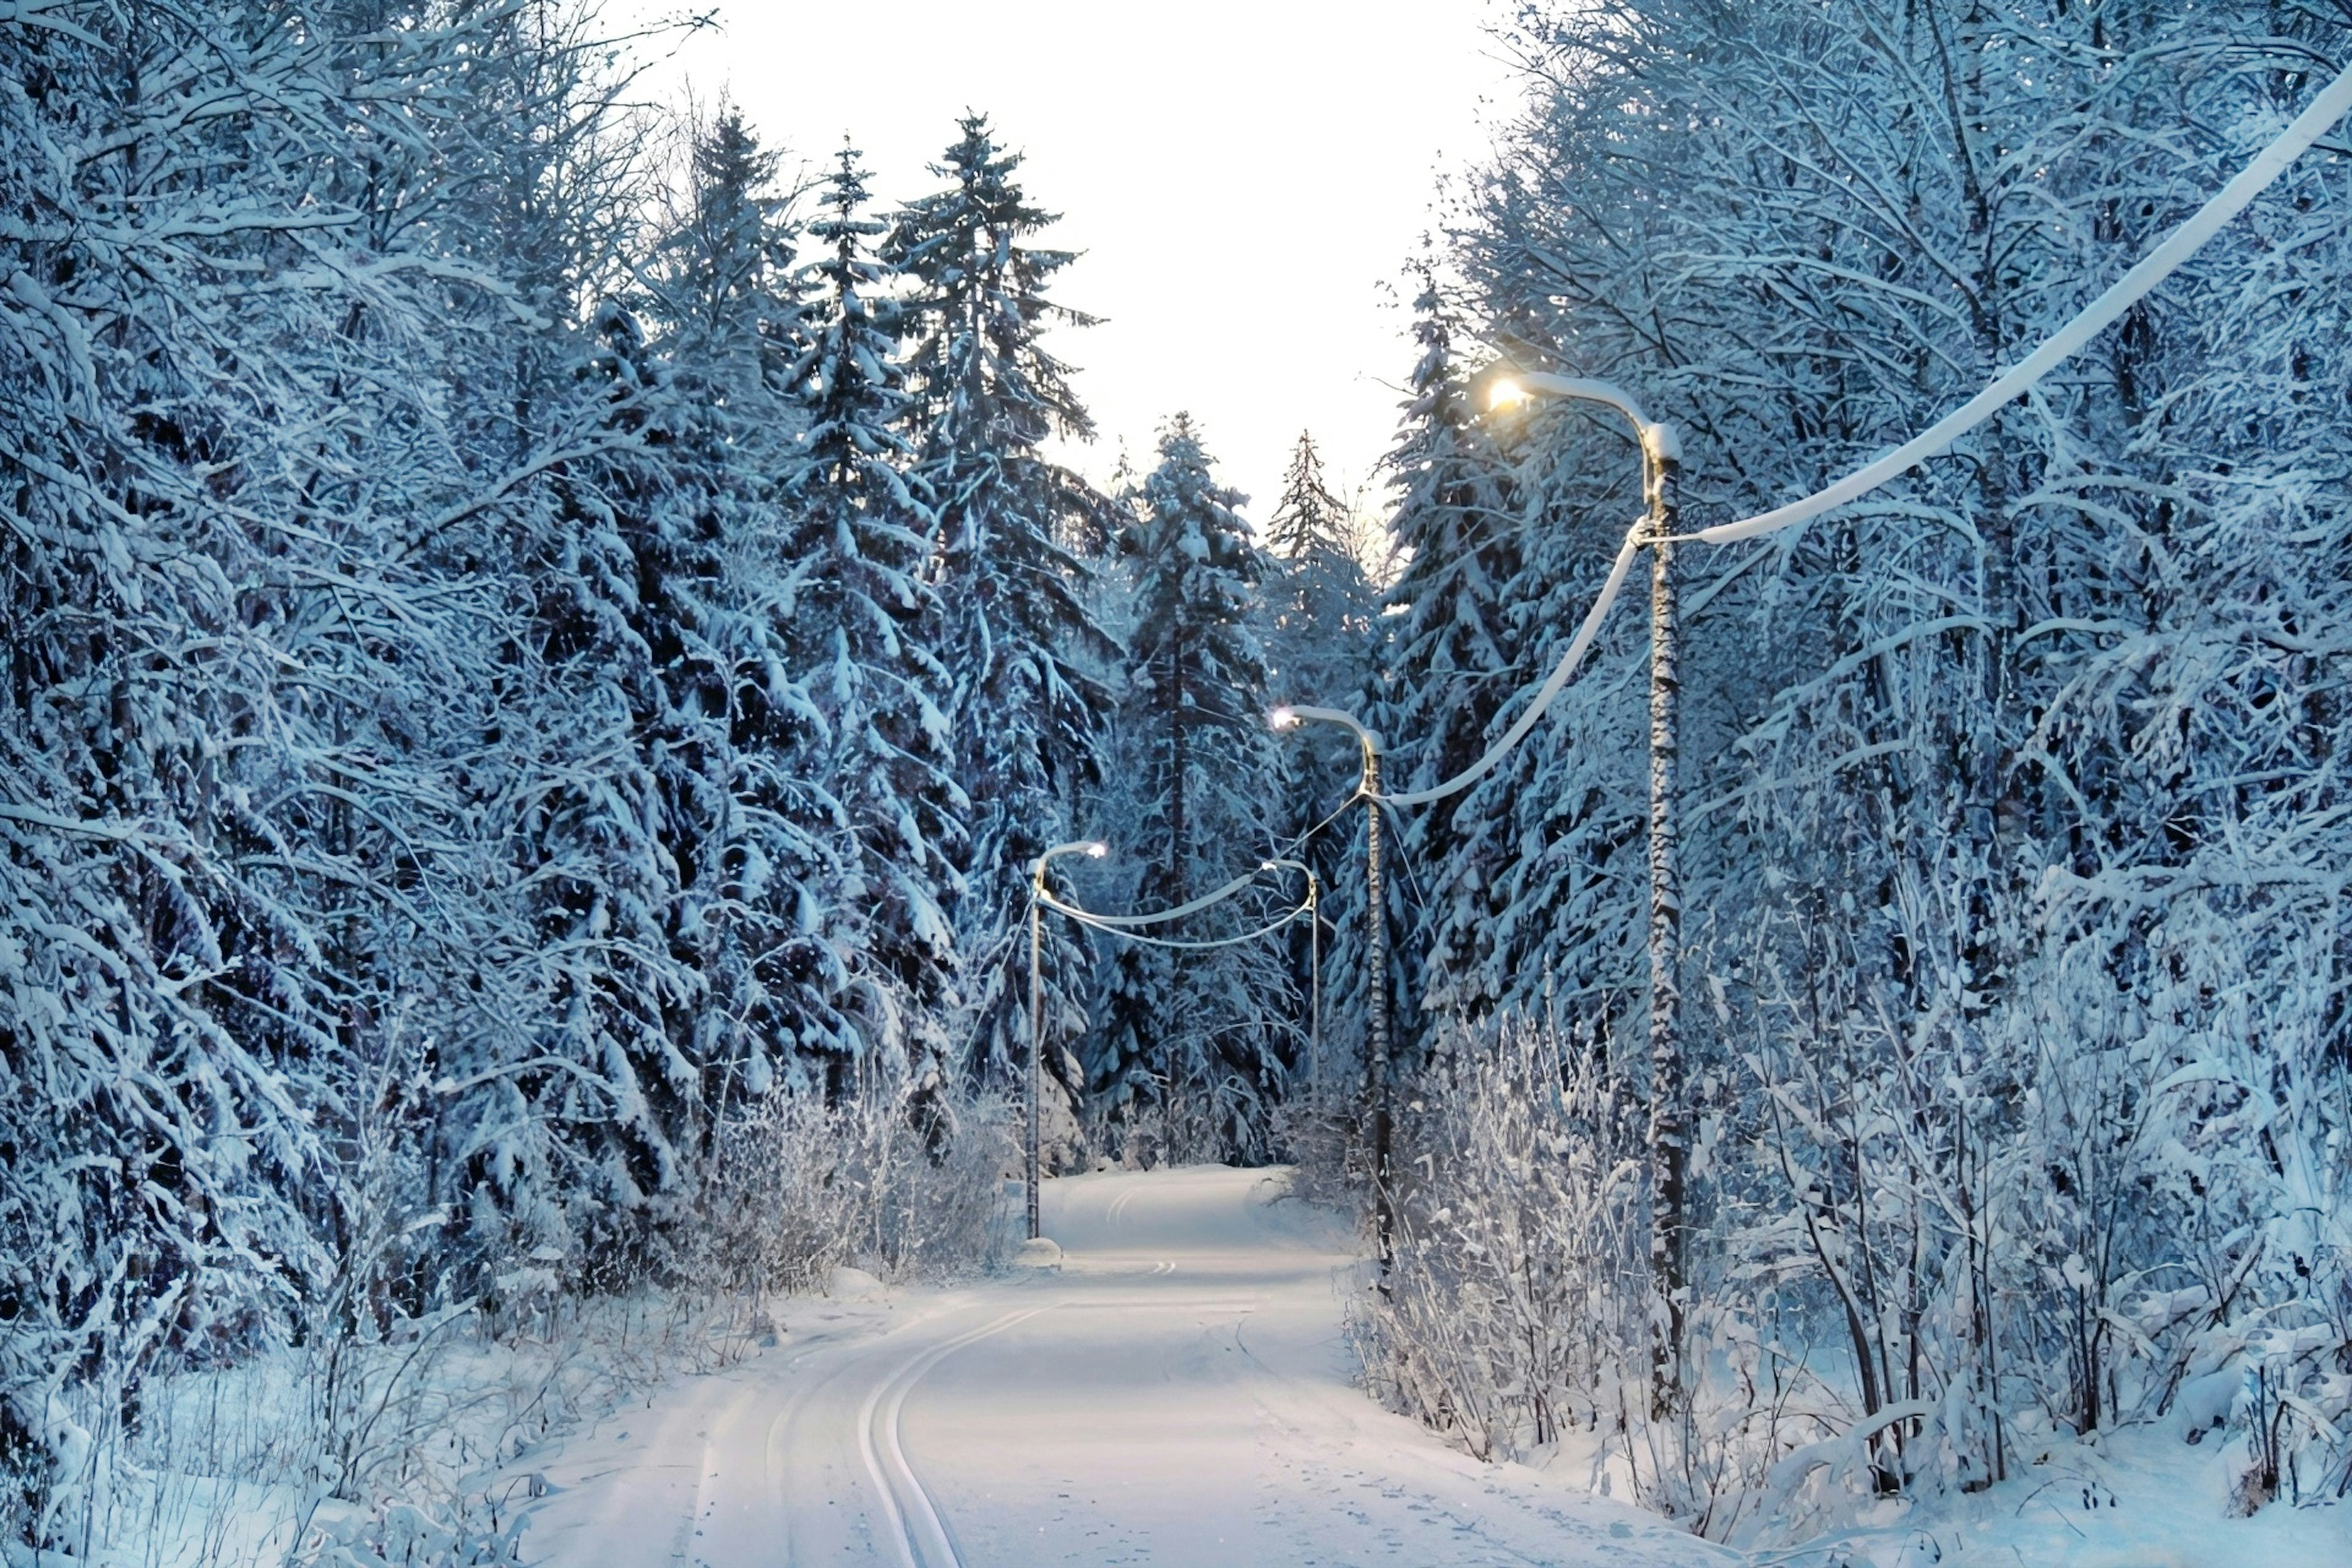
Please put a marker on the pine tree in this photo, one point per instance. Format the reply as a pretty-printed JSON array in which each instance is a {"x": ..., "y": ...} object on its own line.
[
  {"x": 1194, "y": 1039},
  {"x": 723, "y": 277},
  {"x": 1019, "y": 633},
  {"x": 667, "y": 849},
  {"x": 773, "y": 912},
  {"x": 1320, "y": 603},
  {"x": 1307, "y": 518}
]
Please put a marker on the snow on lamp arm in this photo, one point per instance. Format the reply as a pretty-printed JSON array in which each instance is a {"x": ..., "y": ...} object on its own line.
[
  {"x": 1094, "y": 849},
  {"x": 1660, "y": 445}
]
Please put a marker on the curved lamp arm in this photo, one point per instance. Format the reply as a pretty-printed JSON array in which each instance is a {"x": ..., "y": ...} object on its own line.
[
  {"x": 1092, "y": 848},
  {"x": 1659, "y": 443}
]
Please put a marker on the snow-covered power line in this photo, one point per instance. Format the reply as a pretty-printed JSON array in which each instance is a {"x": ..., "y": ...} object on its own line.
[
  {"x": 2069, "y": 340},
  {"x": 1087, "y": 918},
  {"x": 1551, "y": 687},
  {"x": 1214, "y": 896},
  {"x": 1125, "y": 925}
]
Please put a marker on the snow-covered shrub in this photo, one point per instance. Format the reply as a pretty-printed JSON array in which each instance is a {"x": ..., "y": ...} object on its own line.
[
  {"x": 1517, "y": 1304},
  {"x": 1319, "y": 1132},
  {"x": 909, "y": 1186},
  {"x": 402, "y": 1535}
]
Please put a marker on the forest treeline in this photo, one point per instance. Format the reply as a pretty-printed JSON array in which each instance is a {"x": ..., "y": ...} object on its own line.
[{"x": 534, "y": 630}]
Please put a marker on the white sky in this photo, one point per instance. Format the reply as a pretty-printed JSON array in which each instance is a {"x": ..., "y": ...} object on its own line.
[{"x": 1247, "y": 181}]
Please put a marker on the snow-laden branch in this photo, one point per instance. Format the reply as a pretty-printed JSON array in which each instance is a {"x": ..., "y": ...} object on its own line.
[
  {"x": 2069, "y": 340},
  {"x": 2060, "y": 345}
]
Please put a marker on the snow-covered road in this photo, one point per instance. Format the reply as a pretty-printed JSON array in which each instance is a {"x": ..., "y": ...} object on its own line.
[{"x": 1178, "y": 1394}]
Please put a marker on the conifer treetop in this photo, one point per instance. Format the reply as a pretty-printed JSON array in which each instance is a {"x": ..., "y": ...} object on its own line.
[
  {"x": 976, "y": 359},
  {"x": 1308, "y": 516}
]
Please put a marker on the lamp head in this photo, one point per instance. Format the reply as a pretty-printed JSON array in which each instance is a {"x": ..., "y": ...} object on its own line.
[
  {"x": 1282, "y": 717},
  {"x": 1506, "y": 393},
  {"x": 1097, "y": 848}
]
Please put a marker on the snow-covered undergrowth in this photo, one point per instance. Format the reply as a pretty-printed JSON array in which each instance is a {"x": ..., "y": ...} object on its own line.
[
  {"x": 1906, "y": 1313},
  {"x": 358, "y": 1450},
  {"x": 904, "y": 1189},
  {"x": 366, "y": 1435},
  {"x": 1515, "y": 1303}
]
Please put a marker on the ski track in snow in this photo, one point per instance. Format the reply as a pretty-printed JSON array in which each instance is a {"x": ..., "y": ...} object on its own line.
[
  {"x": 893, "y": 1475},
  {"x": 1179, "y": 1396}
]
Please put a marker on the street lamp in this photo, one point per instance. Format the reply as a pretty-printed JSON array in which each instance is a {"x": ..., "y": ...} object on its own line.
[
  {"x": 1668, "y": 1135},
  {"x": 1368, "y": 788},
  {"x": 1094, "y": 849}
]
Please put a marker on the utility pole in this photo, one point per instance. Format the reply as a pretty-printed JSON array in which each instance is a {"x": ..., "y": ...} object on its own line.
[
  {"x": 1376, "y": 952},
  {"x": 1378, "y": 1069},
  {"x": 1093, "y": 849},
  {"x": 1668, "y": 1136}
]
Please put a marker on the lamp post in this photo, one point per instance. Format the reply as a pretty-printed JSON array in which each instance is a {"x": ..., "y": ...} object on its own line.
[
  {"x": 1094, "y": 849},
  {"x": 1376, "y": 1030},
  {"x": 1669, "y": 1134}
]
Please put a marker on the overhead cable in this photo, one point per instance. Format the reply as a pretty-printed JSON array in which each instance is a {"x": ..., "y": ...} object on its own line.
[
  {"x": 1216, "y": 896},
  {"x": 1551, "y": 687},
  {"x": 1123, "y": 928},
  {"x": 2067, "y": 341}
]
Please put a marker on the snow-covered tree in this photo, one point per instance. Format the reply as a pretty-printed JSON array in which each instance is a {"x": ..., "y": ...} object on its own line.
[
  {"x": 260, "y": 751},
  {"x": 1199, "y": 1040},
  {"x": 1951, "y": 854},
  {"x": 1321, "y": 610},
  {"x": 1459, "y": 531},
  {"x": 869, "y": 620},
  {"x": 1019, "y": 632}
]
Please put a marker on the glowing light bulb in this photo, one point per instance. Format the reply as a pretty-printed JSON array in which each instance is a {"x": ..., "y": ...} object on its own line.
[
  {"x": 1097, "y": 850},
  {"x": 1504, "y": 393},
  {"x": 1281, "y": 718}
]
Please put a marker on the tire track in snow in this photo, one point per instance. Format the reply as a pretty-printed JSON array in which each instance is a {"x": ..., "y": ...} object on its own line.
[{"x": 884, "y": 1455}]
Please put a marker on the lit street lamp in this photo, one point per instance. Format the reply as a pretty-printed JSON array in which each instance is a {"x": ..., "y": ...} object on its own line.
[
  {"x": 1368, "y": 788},
  {"x": 1669, "y": 1138},
  {"x": 1093, "y": 849}
]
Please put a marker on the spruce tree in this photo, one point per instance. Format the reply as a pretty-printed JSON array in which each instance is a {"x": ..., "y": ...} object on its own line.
[
  {"x": 1448, "y": 631},
  {"x": 1321, "y": 611},
  {"x": 1019, "y": 631},
  {"x": 1195, "y": 1039},
  {"x": 764, "y": 901},
  {"x": 868, "y": 624}
]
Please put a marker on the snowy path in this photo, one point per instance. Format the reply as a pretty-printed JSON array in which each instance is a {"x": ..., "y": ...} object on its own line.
[{"x": 1177, "y": 1395}]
